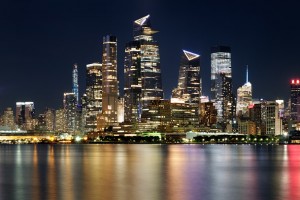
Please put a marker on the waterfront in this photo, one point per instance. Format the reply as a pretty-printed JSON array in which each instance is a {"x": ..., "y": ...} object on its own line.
[{"x": 149, "y": 171}]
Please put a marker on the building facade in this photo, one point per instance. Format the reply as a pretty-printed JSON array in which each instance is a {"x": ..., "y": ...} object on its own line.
[
  {"x": 221, "y": 86},
  {"x": 295, "y": 100},
  {"x": 141, "y": 70},
  {"x": 110, "y": 90},
  {"x": 189, "y": 82},
  {"x": 93, "y": 98}
]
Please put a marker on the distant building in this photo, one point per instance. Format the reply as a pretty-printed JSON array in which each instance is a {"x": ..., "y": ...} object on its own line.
[
  {"x": 25, "y": 113},
  {"x": 50, "y": 119},
  {"x": 189, "y": 81},
  {"x": 70, "y": 106},
  {"x": 60, "y": 120},
  {"x": 244, "y": 98},
  {"x": 75, "y": 88},
  {"x": 142, "y": 70},
  {"x": 295, "y": 100},
  {"x": 207, "y": 114},
  {"x": 273, "y": 121},
  {"x": 8, "y": 119}
]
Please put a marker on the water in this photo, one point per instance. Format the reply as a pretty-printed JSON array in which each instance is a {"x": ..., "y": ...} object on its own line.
[{"x": 141, "y": 172}]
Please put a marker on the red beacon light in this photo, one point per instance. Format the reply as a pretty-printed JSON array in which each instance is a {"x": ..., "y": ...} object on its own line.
[{"x": 295, "y": 81}]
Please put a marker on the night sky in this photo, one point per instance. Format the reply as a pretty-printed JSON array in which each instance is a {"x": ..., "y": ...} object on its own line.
[{"x": 41, "y": 40}]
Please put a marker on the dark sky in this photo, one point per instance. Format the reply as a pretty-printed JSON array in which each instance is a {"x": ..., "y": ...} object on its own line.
[{"x": 40, "y": 40}]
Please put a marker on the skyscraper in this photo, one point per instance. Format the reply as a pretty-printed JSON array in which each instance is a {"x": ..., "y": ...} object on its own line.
[
  {"x": 189, "y": 81},
  {"x": 142, "y": 70},
  {"x": 109, "y": 80},
  {"x": 70, "y": 107},
  {"x": 295, "y": 99},
  {"x": 244, "y": 97},
  {"x": 221, "y": 88},
  {"x": 25, "y": 113},
  {"x": 75, "y": 83},
  {"x": 93, "y": 95}
]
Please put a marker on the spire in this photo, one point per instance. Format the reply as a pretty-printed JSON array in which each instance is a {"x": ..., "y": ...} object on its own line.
[
  {"x": 247, "y": 74},
  {"x": 190, "y": 55}
]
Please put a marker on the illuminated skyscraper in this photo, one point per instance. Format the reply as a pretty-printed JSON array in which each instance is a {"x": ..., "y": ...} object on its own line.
[
  {"x": 221, "y": 80},
  {"x": 244, "y": 97},
  {"x": 25, "y": 113},
  {"x": 75, "y": 83},
  {"x": 8, "y": 119},
  {"x": 93, "y": 99},
  {"x": 70, "y": 107},
  {"x": 189, "y": 82},
  {"x": 142, "y": 70},
  {"x": 295, "y": 99},
  {"x": 109, "y": 80}
]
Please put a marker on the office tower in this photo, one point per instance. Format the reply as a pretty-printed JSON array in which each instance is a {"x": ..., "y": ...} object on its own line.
[
  {"x": 142, "y": 70},
  {"x": 221, "y": 88},
  {"x": 244, "y": 98},
  {"x": 207, "y": 114},
  {"x": 75, "y": 83},
  {"x": 25, "y": 113},
  {"x": 60, "y": 121},
  {"x": 41, "y": 122},
  {"x": 50, "y": 119},
  {"x": 295, "y": 100},
  {"x": 70, "y": 107},
  {"x": 93, "y": 99},
  {"x": 273, "y": 121},
  {"x": 8, "y": 118},
  {"x": 189, "y": 81},
  {"x": 109, "y": 81}
]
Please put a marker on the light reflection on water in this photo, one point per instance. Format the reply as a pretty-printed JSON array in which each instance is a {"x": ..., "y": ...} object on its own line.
[{"x": 136, "y": 172}]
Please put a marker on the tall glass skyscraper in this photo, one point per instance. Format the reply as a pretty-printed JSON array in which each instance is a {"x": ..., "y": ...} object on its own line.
[
  {"x": 109, "y": 80},
  {"x": 142, "y": 70},
  {"x": 189, "y": 81},
  {"x": 221, "y": 84},
  {"x": 93, "y": 99},
  {"x": 295, "y": 99},
  {"x": 75, "y": 83},
  {"x": 70, "y": 106}
]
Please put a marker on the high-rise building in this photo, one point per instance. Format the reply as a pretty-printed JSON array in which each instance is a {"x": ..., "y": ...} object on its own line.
[
  {"x": 70, "y": 106},
  {"x": 189, "y": 81},
  {"x": 273, "y": 121},
  {"x": 110, "y": 90},
  {"x": 142, "y": 70},
  {"x": 25, "y": 113},
  {"x": 244, "y": 98},
  {"x": 93, "y": 99},
  {"x": 221, "y": 85},
  {"x": 75, "y": 83},
  {"x": 60, "y": 121},
  {"x": 50, "y": 119},
  {"x": 295, "y": 100},
  {"x": 8, "y": 118}
]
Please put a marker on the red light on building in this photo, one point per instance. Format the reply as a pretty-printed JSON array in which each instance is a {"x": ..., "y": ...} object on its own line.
[{"x": 295, "y": 81}]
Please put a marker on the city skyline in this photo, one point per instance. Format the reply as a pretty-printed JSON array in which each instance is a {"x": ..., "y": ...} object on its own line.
[{"x": 42, "y": 41}]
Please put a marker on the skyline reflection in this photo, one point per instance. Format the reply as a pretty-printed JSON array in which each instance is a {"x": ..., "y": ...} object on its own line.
[{"x": 149, "y": 171}]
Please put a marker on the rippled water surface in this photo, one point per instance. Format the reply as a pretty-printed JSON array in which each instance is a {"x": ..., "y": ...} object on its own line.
[{"x": 141, "y": 172}]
